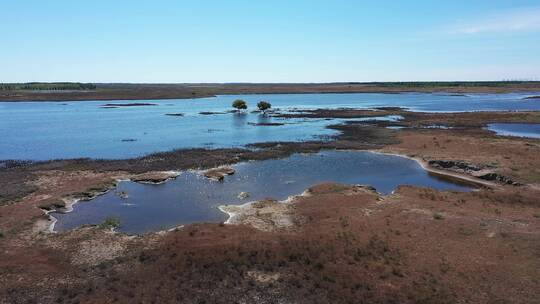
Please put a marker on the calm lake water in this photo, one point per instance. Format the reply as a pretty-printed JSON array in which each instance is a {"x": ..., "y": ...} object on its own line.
[
  {"x": 193, "y": 198},
  {"x": 53, "y": 130},
  {"x": 516, "y": 129}
]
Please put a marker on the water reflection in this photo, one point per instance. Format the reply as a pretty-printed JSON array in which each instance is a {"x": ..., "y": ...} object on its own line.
[{"x": 192, "y": 198}]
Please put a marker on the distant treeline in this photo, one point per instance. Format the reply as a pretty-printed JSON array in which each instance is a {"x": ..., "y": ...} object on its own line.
[
  {"x": 430, "y": 84},
  {"x": 50, "y": 86}
]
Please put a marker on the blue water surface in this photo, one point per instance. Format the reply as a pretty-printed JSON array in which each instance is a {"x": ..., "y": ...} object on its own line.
[
  {"x": 192, "y": 198},
  {"x": 54, "y": 130},
  {"x": 530, "y": 130}
]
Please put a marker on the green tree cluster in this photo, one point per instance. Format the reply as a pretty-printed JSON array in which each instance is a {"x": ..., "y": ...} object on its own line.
[
  {"x": 239, "y": 104},
  {"x": 264, "y": 105}
]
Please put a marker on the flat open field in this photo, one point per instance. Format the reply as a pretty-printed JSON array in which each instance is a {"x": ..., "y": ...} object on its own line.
[
  {"x": 334, "y": 244},
  {"x": 180, "y": 91}
]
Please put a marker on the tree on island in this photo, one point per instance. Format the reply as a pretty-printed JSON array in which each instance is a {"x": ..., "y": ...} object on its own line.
[
  {"x": 263, "y": 106},
  {"x": 239, "y": 104}
]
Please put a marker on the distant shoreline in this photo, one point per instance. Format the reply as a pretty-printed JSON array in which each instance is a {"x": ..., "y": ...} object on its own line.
[{"x": 104, "y": 92}]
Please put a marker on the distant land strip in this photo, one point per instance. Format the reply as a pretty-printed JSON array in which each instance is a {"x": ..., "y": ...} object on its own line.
[{"x": 75, "y": 91}]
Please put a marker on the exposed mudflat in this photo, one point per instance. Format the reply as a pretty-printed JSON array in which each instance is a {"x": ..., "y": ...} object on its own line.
[{"x": 337, "y": 244}]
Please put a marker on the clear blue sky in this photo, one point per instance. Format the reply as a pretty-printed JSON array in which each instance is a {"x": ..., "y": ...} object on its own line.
[{"x": 268, "y": 41}]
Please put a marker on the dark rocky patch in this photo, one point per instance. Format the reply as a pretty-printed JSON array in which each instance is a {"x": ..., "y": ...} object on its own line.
[
  {"x": 336, "y": 113},
  {"x": 219, "y": 174},
  {"x": 492, "y": 176},
  {"x": 396, "y": 109},
  {"x": 453, "y": 94},
  {"x": 134, "y": 104},
  {"x": 148, "y": 180},
  {"x": 455, "y": 165},
  {"x": 212, "y": 113},
  {"x": 484, "y": 172},
  {"x": 92, "y": 192},
  {"x": 152, "y": 178},
  {"x": 266, "y": 124},
  {"x": 214, "y": 130},
  {"x": 50, "y": 206}
]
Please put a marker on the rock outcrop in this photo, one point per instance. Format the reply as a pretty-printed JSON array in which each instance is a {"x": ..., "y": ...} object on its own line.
[
  {"x": 219, "y": 173},
  {"x": 484, "y": 172}
]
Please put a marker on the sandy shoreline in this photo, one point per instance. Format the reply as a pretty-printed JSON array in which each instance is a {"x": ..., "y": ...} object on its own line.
[{"x": 234, "y": 211}]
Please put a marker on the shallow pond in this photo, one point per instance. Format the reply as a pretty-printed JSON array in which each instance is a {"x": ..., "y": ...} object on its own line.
[
  {"x": 53, "y": 130},
  {"x": 193, "y": 198},
  {"x": 530, "y": 130}
]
